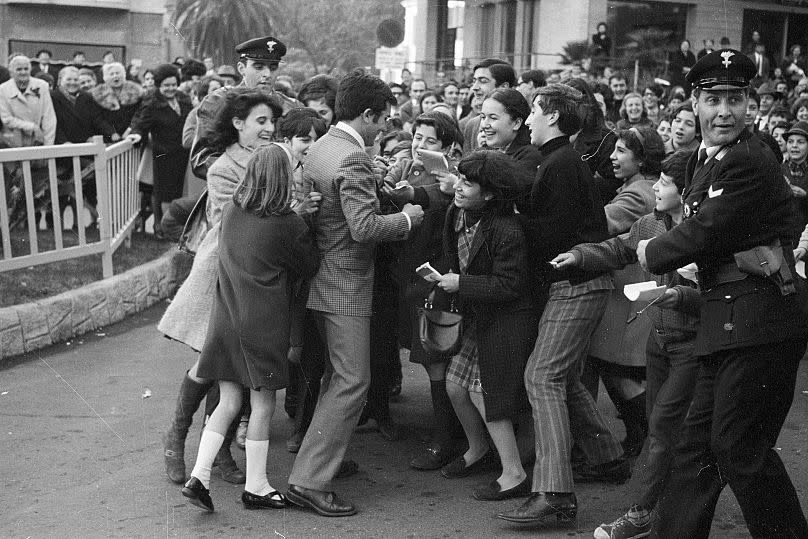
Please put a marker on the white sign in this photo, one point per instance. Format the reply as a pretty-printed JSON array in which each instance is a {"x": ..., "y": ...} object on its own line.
[{"x": 387, "y": 58}]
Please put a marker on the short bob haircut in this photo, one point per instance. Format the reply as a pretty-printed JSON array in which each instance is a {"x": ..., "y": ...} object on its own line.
[
  {"x": 319, "y": 87},
  {"x": 675, "y": 166},
  {"x": 429, "y": 93},
  {"x": 359, "y": 92},
  {"x": 267, "y": 185},
  {"x": 165, "y": 71},
  {"x": 299, "y": 123},
  {"x": 795, "y": 108},
  {"x": 646, "y": 145},
  {"x": 445, "y": 127},
  {"x": 514, "y": 103},
  {"x": 686, "y": 105},
  {"x": 238, "y": 103},
  {"x": 497, "y": 174},
  {"x": 565, "y": 100}
]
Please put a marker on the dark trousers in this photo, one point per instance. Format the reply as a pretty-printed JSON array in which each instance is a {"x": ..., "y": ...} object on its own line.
[
  {"x": 305, "y": 382},
  {"x": 383, "y": 342},
  {"x": 740, "y": 402},
  {"x": 670, "y": 376}
]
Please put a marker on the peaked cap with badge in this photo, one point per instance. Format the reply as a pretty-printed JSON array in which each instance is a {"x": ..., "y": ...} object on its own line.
[
  {"x": 725, "y": 69},
  {"x": 268, "y": 48}
]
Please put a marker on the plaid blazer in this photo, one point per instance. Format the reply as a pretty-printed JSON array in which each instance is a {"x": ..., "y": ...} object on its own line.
[{"x": 348, "y": 224}]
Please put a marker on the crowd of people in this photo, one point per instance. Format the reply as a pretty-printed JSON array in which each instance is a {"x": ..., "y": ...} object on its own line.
[{"x": 556, "y": 190}]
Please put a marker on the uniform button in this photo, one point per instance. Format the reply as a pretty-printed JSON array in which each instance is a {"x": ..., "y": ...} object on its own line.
[
  {"x": 729, "y": 327},
  {"x": 416, "y": 173}
]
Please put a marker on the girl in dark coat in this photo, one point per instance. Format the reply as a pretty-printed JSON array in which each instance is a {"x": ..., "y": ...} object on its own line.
[
  {"x": 162, "y": 116},
  {"x": 265, "y": 256},
  {"x": 484, "y": 241}
]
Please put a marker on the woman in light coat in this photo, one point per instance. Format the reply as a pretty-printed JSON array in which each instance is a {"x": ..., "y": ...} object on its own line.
[{"x": 246, "y": 121}]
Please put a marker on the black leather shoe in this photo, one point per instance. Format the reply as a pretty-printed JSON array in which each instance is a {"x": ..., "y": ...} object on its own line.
[
  {"x": 327, "y": 504},
  {"x": 273, "y": 500},
  {"x": 346, "y": 469},
  {"x": 615, "y": 472},
  {"x": 540, "y": 507},
  {"x": 435, "y": 456},
  {"x": 493, "y": 492},
  {"x": 459, "y": 468},
  {"x": 197, "y": 494}
]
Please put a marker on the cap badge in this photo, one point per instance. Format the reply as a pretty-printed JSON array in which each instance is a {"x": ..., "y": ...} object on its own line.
[
  {"x": 271, "y": 45},
  {"x": 726, "y": 55}
]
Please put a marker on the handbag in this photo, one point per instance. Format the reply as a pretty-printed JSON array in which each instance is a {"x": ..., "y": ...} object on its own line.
[
  {"x": 440, "y": 331},
  {"x": 196, "y": 226}
]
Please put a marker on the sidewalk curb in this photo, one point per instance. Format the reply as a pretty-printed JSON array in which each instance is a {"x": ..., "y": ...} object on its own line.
[{"x": 31, "y": 326}]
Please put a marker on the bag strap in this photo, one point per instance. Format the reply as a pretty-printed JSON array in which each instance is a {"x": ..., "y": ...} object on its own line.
[{"x": 430, "y": 299}]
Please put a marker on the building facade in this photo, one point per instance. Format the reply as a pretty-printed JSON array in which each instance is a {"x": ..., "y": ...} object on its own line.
[
  {"x": 446, "y": 35},
  {"x": 128, "y": 28}
]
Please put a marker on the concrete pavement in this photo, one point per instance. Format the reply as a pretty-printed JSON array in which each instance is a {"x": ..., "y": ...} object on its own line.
[{"x": 81, "y": 457}]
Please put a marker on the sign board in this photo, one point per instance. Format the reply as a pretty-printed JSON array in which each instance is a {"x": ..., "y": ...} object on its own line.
[{"x": 387, "y": 58}]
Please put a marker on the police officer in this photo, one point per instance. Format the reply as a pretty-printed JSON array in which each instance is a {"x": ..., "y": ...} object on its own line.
[
  {"x": 258, "y": 64},
  {"x": 737, "y": 228}
]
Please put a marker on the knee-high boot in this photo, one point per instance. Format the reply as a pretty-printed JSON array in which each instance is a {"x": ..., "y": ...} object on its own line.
[{"x": 191, "y": 394}]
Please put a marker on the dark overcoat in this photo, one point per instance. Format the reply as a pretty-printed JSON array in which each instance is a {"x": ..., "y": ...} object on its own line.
[
  {"x": 158, "y": 119},
  {"x": 77, "y": 122},
  {"x": 263, "y": 265},
  {"x": 736, "y": 201},
  {"x": 495, "y": 293}
]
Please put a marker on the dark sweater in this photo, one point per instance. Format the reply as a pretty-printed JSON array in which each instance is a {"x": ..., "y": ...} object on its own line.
[{"x": 563, "y": 210}]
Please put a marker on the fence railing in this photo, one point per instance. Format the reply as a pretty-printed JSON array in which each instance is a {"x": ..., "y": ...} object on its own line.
[{"x": 33, "y": 181}]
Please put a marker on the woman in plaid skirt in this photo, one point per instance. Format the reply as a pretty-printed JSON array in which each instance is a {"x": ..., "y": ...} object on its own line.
[{"x": 484, "y": 243}]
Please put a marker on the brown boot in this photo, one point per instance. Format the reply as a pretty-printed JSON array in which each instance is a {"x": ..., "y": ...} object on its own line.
[{"x": 191, "y": 394}]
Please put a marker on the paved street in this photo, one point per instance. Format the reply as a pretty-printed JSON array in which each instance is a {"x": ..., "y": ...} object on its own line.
[{"x": 81, "y": 457}]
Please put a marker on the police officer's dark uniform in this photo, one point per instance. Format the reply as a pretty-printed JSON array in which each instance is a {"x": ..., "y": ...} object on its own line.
[
  {"x": 267, "y": 49},
  {"x": 752, "y": 334}
]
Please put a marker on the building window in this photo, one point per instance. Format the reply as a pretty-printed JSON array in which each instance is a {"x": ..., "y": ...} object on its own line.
[{"x": 626, "y": 16}]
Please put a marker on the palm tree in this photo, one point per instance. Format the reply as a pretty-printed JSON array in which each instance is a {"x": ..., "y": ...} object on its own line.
[{"x": 214, "y": 27}]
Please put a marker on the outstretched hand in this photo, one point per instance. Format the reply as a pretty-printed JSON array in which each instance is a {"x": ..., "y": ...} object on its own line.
[{"x": 563, "y": 261}]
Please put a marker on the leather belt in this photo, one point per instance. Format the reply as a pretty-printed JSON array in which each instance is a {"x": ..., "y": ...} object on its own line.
[{"x": 724, "y": 273}]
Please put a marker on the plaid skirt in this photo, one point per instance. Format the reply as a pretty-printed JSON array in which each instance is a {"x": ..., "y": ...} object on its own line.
[{"x": 464, "y": 368}]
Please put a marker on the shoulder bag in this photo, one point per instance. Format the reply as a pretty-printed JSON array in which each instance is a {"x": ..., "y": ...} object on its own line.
[{"x": 440, "y": 331}]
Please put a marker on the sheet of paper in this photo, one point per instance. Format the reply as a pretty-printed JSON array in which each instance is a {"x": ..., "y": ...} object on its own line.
[
  {"x": 647, "y": 291},
  {"x": 800, "y": 267},
  {"x": 689, "y": 272},
  {"x": 433, "y": 161}
]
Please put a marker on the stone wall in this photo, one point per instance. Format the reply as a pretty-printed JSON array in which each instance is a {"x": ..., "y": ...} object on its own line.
[{"x": 31, "y": 326}]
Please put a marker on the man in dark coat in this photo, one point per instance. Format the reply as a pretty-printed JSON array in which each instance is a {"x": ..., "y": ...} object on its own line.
[{"x": 752, "y": 334}]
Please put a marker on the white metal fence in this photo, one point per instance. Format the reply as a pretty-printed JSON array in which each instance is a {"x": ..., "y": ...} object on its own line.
[{"x": 31, "y": 179}]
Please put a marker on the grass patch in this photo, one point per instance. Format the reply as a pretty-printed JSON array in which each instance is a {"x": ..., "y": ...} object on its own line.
[{"x": 36, "y": 282}]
